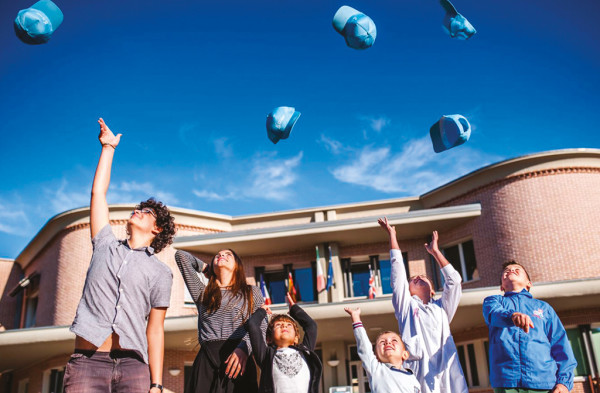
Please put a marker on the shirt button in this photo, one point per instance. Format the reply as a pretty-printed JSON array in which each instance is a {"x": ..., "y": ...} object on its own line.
[
  {"x": 118, "y": 276},
  {"x": 120, "y": 289},
  {"x": 118, "y": 306},
  {"x": 114, "y": 325}
]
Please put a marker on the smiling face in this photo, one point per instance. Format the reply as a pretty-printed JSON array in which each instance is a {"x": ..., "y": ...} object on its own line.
[
  {"x": 514, "y": 278},
  {"x": 421, "y": 286},
  {"x": 389, "y": 348},
  {"x": 224, "y": 259},
  {"x": 282, "y": 331}
]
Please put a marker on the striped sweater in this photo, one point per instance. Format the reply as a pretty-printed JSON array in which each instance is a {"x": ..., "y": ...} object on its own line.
[{"x": 228, "y": 321}]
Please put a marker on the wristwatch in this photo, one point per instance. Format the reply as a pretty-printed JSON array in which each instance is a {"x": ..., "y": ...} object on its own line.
[{"x": 157, "y": 385}]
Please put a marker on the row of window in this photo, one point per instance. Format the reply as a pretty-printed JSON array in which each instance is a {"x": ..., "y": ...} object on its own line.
[{"x": 356, "y": 275}]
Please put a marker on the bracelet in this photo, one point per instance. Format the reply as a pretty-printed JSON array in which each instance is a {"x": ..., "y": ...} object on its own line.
[
  {"x": 157, "y": 385},
  {"x": 108, "y": 144}
]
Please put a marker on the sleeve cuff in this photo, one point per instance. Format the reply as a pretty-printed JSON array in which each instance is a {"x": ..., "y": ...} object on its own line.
[{"x": 357, "y": 325}]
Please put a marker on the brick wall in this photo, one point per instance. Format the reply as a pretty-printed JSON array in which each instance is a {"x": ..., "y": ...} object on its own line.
[
  {"x": 546, "y": 221},
  {"x": 10, "y": 274}
]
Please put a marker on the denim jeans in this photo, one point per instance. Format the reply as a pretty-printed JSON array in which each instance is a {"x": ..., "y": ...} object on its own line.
[{"x": 106, "y": 372}]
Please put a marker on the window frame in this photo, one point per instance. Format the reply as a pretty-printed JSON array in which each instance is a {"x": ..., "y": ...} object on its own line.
[
  {"x": 481, "y": 362},
  {"x": 463, "y": 266}
]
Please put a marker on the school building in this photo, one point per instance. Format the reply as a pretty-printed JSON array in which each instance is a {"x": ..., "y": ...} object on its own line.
[{"x": 542, "y": 210}]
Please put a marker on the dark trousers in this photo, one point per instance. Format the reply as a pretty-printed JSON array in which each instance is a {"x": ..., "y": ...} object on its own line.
[
  {"x": 106, "y": 372},
  {"x": 208, "y": 371}
]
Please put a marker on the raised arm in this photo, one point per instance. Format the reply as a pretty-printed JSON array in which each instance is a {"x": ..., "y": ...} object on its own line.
[
  {"x": 400, "y": 294},
  {"x": 452, "y": 279},
  {"x": 308, "y": 324},
  {"x": 257, "y": 337},
  {"x": 363, "y": 344},
  {"x": 98, "y": 203},
  {"x": 190, "y": 266}
]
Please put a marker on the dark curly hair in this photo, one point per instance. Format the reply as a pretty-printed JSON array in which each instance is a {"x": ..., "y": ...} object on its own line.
[{"x": 164, "y": 220}]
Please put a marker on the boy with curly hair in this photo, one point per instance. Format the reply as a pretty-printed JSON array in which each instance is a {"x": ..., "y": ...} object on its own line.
[
  {"x": 119, "y": 324},
  {"x": 286, "y": 365}
]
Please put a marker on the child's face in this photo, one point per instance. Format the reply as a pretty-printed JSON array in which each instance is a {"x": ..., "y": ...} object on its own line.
[
  {"x": 390, "y": 349},
  {"x": 420, "y": 286},
  {"x": 284, "y": 334},
  {"x": 514, "y": 279}
]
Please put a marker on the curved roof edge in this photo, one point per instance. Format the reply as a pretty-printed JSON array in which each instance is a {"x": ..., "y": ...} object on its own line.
[{"x": 553, "y": 159}]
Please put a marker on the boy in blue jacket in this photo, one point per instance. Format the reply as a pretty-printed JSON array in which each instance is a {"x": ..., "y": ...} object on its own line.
[{"x": 529, "y": 348}]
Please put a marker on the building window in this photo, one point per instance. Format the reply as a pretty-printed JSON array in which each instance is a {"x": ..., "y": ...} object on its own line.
[
  {"x": 304, "y": 281},
  {"x": 576, "y": 340},
  {"x": 356, "y": 276},
  {"x": 595, "y": 339},
  {"x": 53, "y": 380},
  {"x": 276, "y": 282},
  {"x": 385, "y": 273},
  {"x": 31, "y": 301},
  {"x": 473, "y": 360},
  {"x": 187, "y": 296},
  {"x": 462, "y": 257},
  {"x": 23, "y": 386}
]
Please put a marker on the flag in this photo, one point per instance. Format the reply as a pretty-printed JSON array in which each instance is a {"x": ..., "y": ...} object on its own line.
[
  {"x": 265, "y": 292},
  {"x": 330, "y": 280},
  {"x": 320, "y": 275},
  {"x": 291, "y": 288},
  {"x": 372, "y": 289}
]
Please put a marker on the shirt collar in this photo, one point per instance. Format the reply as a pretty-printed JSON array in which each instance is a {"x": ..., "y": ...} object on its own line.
[
  {"x": 523, "y": 292},
  {"x": 402, "y": 369},
  {"x": 149, "y": 250}
]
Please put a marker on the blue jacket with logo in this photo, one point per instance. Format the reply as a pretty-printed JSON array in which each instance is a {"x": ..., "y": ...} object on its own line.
[{"x": 536, "y": 360}]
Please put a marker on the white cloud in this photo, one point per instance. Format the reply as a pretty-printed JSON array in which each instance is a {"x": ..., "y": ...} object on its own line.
[
  {"x": 222, "y": 148},
  {"x": 66, "y": 197},
  {"x": 13, "y": 218},
  {"x": 330, "y": 144},
  {"x": 269, "y": 177},
  {"x": 134, "y": 192},
  {"x": 376, "y": 123},
  {"x": 213, "y": 196},
  {"x": 414, "y": 169}
]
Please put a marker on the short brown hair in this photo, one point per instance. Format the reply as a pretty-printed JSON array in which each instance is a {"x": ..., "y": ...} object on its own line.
[
  {"x": 281, "y": 317},
  {"x": 512, "y": 262},
  {"x": 387, "y": 332}
]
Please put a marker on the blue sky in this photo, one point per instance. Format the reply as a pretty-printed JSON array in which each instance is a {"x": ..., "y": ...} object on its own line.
[{"x": 189, "y": 84}]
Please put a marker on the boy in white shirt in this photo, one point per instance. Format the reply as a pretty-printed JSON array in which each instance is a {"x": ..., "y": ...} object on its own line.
[
  {"x": 384, "y": 367},
  {"x": 424, "y": 322}
]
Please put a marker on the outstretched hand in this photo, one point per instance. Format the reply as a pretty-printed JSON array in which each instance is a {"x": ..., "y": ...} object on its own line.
[
  {"x": 267, "y": 308},
  {"x": 432, "y": 247},
  {"x": 522, "y": 321},
  {"x": 354, "y": 313},
  {"x": 106, "y": 135},
  {"x": 289, "y": 299},
  {"x": 383, "y": 222}
]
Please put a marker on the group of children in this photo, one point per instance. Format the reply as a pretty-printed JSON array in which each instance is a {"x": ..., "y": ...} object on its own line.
[
  {"x": 119, "y": 324},
  {"x": 423, "y": 357}
]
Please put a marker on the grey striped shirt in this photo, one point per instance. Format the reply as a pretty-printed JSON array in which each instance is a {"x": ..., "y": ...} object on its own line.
[
  {"x": 122, "y": 285},
  {"x": 228, "y": 321}
]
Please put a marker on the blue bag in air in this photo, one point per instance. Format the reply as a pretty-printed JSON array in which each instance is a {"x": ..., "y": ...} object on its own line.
[
  {"x": 35, "y": 25},
  {"x": 450, "y": 131},
  {"x": 358, "y": 30},
  {"x": 456, "y": 25},
  {"x": 280, "y": 123}
]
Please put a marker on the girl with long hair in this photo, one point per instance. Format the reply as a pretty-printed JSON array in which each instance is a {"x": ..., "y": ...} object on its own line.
[{"x": 224, "y": 303}]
